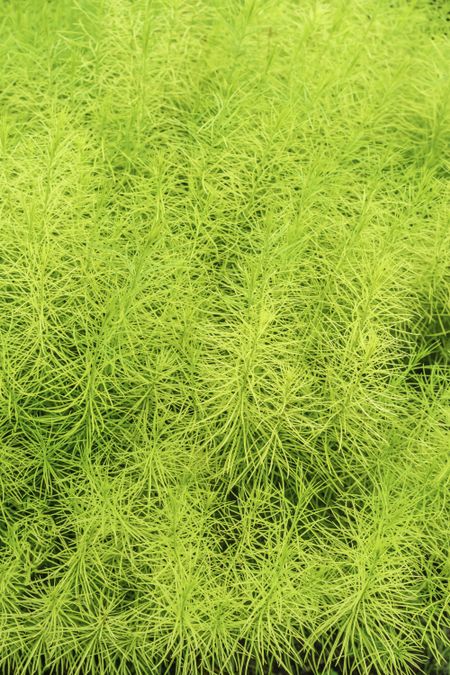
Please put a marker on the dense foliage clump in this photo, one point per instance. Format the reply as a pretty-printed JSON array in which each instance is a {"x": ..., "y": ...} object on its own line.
[{"x": 224, "y": 336}]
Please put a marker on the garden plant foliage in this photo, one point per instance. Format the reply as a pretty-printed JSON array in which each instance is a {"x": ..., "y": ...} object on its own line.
[{"x": 224, "y": 336}]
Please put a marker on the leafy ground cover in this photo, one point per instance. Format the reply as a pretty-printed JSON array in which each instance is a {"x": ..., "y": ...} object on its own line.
[{"x": 224, "y": 336}]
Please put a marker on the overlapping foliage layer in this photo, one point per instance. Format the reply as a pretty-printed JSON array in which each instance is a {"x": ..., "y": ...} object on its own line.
[{"x": 225, "y": 328}]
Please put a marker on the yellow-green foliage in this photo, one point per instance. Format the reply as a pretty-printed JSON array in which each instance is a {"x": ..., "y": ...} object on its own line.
[{"x": 224, "y": 336}]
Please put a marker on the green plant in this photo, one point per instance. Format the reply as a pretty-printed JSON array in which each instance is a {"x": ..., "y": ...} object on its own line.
[{"x": 224, "y": 325}]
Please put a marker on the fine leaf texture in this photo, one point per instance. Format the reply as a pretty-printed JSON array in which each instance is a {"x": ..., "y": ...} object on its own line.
[{"x": 224, "y": 336}]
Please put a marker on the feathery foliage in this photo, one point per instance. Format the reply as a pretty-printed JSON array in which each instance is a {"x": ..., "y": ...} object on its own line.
[{"x": 224, "y": 336}]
